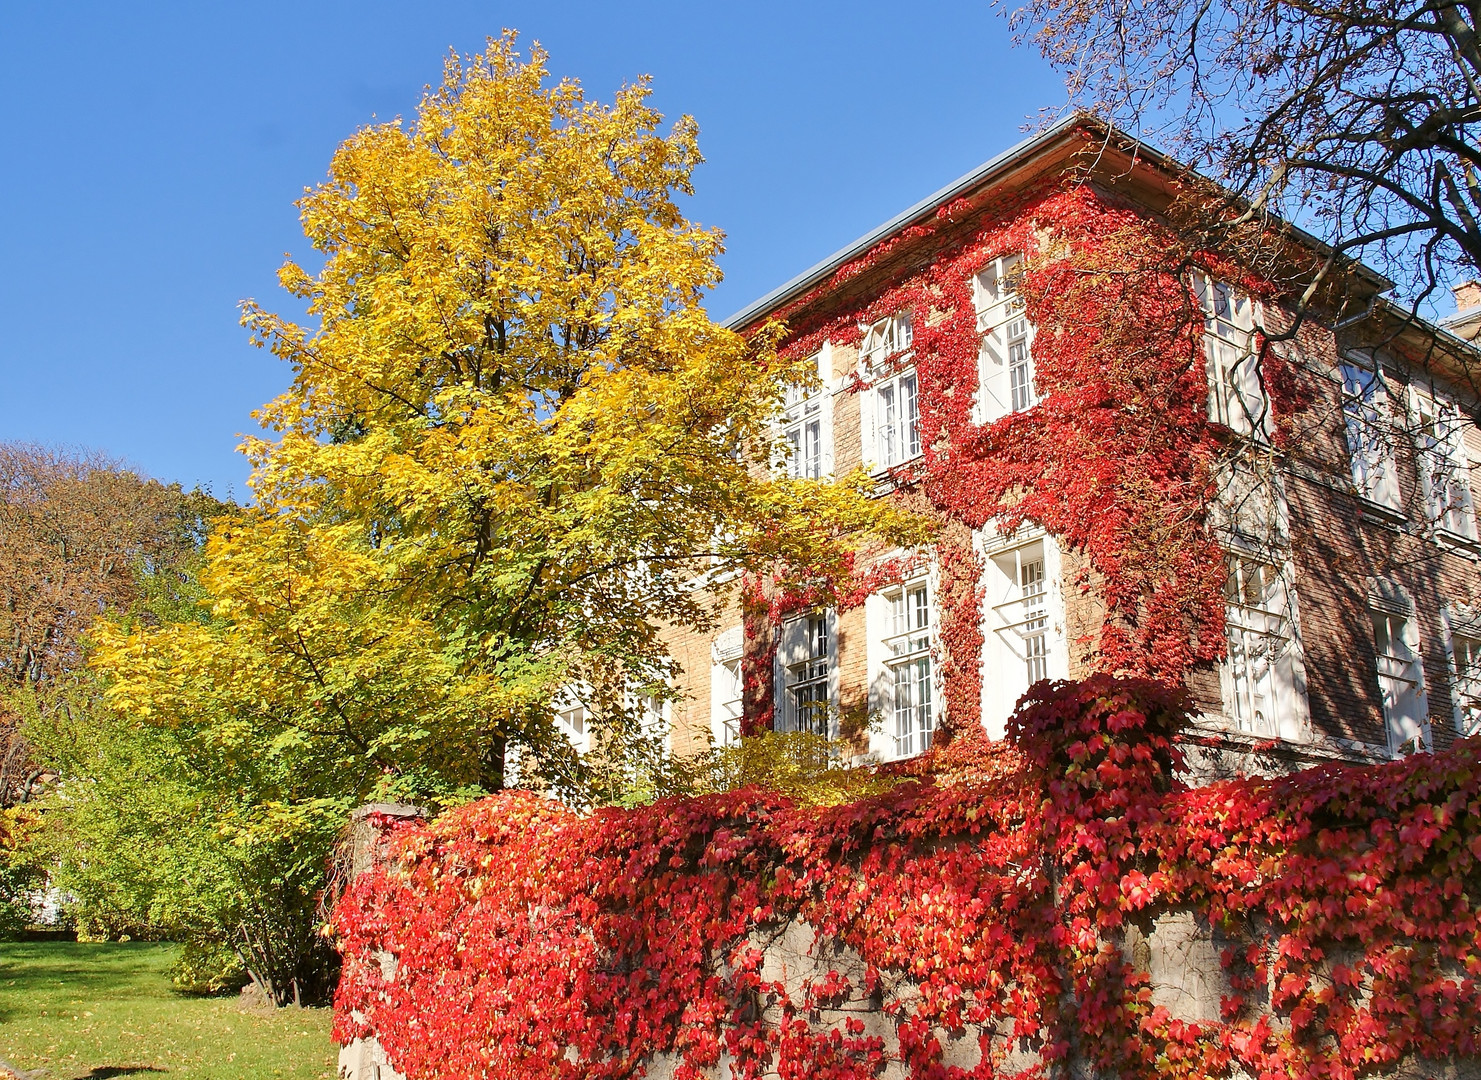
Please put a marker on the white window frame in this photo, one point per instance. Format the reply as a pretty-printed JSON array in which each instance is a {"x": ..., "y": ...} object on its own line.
[
  {"x": 573, "y": 716},
  {"x": 1023, "y": 635},
  {"x": 1443, "y": 464},
  {"x": 802, "y": 670},
  {"x": 1262, "y": 678},
  {"x": 1367, "y": 420},
  {"x": 894, "y": 399},
  {"x": 1399, "y": 668},
  {"x": 1236, "y": 397},
  {"x": 727, "y": 687},
  {"x": 1463, "y": 654},
  {"x": 909, "y": 646},
  {"x": 1005, "y": 367},
  {"x": 654, "y": 718},
  {"x": 805, "y": 427}
]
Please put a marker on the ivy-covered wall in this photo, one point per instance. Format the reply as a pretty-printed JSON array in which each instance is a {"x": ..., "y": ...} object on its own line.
[{"x": 1057, "y": 905}]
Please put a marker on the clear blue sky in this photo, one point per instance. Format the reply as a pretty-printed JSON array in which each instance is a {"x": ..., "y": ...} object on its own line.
[{"x": 154, "y": 152}]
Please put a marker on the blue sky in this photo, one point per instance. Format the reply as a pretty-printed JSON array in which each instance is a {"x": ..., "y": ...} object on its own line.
[{"x": 155, "y": 150}]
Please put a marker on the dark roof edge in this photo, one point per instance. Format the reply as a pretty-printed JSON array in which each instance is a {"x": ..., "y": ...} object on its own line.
[{"x": 923, "y": 209}]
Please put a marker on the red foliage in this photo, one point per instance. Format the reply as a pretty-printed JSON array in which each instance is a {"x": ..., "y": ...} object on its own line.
[
  {"x": 534, "y": 942},
  {"x": 1116, "y": 458}
]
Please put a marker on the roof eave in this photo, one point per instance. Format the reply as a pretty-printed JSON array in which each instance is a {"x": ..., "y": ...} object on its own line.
[
  {"x": 919, "y": 212},
  {"x": 979, "y": 176}
]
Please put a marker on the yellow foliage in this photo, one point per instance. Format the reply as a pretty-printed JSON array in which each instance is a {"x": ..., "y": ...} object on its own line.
[
  {"x": 804, "y": 767},
  {"x": 515, "y": 444}
]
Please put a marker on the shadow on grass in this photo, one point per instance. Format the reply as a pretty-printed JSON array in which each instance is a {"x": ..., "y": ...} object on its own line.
[{"x": 103, "y": 1072}]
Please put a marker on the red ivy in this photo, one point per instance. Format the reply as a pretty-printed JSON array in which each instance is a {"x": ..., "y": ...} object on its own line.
[
  {"x": 530, "y": 941},
  {"x": 1117, "y": 458}
]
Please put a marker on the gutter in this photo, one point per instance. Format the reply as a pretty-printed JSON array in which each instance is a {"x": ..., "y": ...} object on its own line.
[
  {"x": 919, "y": 212},
  {"x": 927, "y": 207}
]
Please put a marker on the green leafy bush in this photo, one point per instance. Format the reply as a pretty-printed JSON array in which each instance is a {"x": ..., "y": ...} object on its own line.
[{"x": 208, "y": 966}]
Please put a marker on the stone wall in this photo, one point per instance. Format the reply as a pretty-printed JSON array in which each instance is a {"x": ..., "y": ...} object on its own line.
[{"x": 1178, "y": 951}]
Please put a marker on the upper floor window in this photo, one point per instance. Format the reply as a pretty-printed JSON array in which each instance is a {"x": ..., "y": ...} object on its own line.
[
  {"x": 1444, "y": 466},
  {"x": 1236, "y": 397},
  {"x": 802, "y": 433},
  {"x": 1365, "y": 414},
  {"x": 804, "y": 428},
  {"x": 886, "y": 353},
  {"x": 1400, "y": 678},
  {"x": 907, "y": 649},
  {"x": 890, "y": 338},
  {"x": 1007, "y": 364},
  {"x": 806, "y": 658},
  {"x": 1259, "y": 675}
]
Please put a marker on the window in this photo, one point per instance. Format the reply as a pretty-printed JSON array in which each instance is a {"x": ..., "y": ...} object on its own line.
[
  {"x": 1444, "y": 468},
  {"x": 1023, "y": 614},
  {"x": 802, "y": 434},
  {"x": 1369, "y": 445},
  {"x": 653, "y": 713},
  {"x": 908, "y": 662},
  {"x": 1259, "y": 676},
  {"x": 885, "y": 353},
  {"x": 573, "y": 717},
  {"x": 807, "y": 675},
  {"x": 1250, "y": 510},
  {"x": 1235, "y": 397},
  {"x": 889, "y": 338},
  {"x": 1466, "y": 650},
  {"x": 1023, "y": 626},
  {"x": 804, "y": 427},
  {"x": 1007, "y": 366},
  {"x": 1400, "y": 679},
  {"x": 726, "y": 687}
]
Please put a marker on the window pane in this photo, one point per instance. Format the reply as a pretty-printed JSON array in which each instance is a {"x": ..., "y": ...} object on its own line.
[
  {"x": 887, "y": 422},
  {"x": 910, "y": 416}
]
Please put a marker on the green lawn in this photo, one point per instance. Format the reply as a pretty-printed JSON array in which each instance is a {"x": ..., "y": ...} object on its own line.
[{"x": 93, "y": 1011}]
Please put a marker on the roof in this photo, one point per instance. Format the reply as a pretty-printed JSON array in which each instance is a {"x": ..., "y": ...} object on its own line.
[
  {"x": 979, "y": 176},
  {"x": 903, "y": 220}
]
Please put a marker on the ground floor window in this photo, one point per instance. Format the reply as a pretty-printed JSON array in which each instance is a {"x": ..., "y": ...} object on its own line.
[
  {"x": 807, "y": 669},
  {"x": 1261, "y": 689},
  {"x": 1468, "y": 682},
  {"x": 1400, "y": 673},
  {"x": 908, "y": 661},
  {"x": 573, "y": 716}
]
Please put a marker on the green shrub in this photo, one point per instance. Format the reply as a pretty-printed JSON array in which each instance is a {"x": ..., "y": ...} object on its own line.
[{"x": 208, "y": 967}]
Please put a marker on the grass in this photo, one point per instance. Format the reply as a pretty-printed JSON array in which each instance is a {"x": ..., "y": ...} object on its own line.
[{"x": 75, "y": 1011}]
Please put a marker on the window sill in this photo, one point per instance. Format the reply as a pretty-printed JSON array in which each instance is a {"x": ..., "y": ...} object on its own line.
[
  {"x": 1445, "y": 538},
  {"x": 894, "y": 477},
  {"x": 1385, "y": 513}
]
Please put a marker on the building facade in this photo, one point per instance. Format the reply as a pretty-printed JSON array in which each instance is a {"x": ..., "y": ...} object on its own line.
[{"x": 1344, "y": 507}]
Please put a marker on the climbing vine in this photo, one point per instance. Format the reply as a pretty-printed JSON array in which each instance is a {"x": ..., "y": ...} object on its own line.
[
  {"x": 1117, "y": 459},
  {"x": 977, "y": 919}
]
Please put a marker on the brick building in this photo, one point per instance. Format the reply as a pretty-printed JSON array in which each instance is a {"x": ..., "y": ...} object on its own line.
[{"x": 1353, "y": 603}]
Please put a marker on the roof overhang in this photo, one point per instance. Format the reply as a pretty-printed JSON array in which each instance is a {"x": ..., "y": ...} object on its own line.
[{"x": 1117, "y": 155}]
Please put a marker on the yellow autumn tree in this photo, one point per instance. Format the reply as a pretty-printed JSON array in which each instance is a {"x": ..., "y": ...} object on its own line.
[{"x": 515, "y": 448}]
